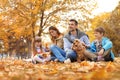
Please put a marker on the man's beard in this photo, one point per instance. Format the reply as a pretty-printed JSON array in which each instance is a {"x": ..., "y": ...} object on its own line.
[{"x": 72, "y": 30}]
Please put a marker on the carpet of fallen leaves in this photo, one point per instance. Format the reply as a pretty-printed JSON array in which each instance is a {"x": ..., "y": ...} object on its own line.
[{"x": 20, "y": 70}]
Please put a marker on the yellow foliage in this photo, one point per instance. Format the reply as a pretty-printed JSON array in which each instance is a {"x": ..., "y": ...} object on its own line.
[
  {"x": 84, "y": 63},
  {"x": 90, "y": 33},
  {"x": 18, "y": 69},
  {"x": 99, "y": 74},
  {"x": 97, "y": 21},
  {"x": 110, "y": 67},
  {"x": 3, "y": 3}
]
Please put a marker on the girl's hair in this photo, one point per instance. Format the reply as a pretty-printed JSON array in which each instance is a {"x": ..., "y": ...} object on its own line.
[
  {"x": 100, "y": 30},
  {"x": 37, "y": 39},
  {"x": 55, "y": 29}
]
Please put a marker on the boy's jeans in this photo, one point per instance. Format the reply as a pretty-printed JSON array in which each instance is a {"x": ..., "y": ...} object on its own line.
[{"x": 92, "y": 55}]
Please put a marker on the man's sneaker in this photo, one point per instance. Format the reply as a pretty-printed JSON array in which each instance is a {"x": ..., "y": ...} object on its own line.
[
  {"x": 56, "y": 60},
  {"x": 67, "y": 60}
]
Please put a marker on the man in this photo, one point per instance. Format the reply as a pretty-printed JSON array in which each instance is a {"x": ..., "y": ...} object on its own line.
[{"x": 74, "y": 33}]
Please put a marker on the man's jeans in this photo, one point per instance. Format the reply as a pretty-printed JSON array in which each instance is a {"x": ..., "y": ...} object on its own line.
[
  {"x": 58, "y": 53},
  {"x": 72, "y": 55}
]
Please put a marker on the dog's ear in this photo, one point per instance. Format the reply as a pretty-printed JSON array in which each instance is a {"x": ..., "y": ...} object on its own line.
[
  {"x": 72, "y": 47},
  {"x": 76, "y": 40},
  {"x": 83, "y": 44}
]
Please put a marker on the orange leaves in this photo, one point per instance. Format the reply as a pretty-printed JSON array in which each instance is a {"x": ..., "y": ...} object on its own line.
[
  {"x": 84, "y": 63},
  {"x": 11, "y": 69},
  {"x": 99, "y": 74},
  {"x": 3, "y": 3},
  {"x": 51, "y": 72},
  {"x": 110, "y": 67},
  {"x": 18, "y": 62},
  {"x": 2, "y": 66}
]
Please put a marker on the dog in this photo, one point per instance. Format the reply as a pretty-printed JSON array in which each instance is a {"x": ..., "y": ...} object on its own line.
[{"x": 80, "y": 48}]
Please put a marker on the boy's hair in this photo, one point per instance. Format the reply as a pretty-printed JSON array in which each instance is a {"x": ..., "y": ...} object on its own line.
[
  {"x": 76, "y": 23},
  {"x": 100, "y": 30}
]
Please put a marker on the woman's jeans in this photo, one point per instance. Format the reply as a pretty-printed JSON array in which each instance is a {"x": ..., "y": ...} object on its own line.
[{"x": 57, "y": 53}]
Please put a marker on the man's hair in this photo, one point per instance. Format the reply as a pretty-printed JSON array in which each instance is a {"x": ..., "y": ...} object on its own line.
[
  {"x": 100, "y": 30},
  {"x": 76, "y": 23}
]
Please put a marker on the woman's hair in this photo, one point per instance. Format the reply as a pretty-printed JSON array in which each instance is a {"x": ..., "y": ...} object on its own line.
[
  {"x": 100, "y": 30},
  {"x": 55, "y": 29}
]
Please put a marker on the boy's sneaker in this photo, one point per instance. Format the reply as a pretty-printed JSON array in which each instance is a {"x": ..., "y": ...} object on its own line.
[
  {"x": 94, "y": 59},
  {"x": 100, "y": 58}
]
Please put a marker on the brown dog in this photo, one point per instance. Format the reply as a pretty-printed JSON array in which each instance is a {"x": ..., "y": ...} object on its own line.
[{"x": 80, "y": 49}]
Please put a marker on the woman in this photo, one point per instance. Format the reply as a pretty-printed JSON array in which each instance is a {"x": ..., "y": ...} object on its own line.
[{"x": 57, "y": 48}]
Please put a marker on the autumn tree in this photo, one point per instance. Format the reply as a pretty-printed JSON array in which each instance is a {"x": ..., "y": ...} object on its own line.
[
  {"x": 25, "y": 18},
  {"x": 15, "y": 23},
  {"x": 114, "y": 29}
]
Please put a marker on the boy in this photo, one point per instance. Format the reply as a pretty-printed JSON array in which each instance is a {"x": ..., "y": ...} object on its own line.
[{"x": 101, "y": 46}]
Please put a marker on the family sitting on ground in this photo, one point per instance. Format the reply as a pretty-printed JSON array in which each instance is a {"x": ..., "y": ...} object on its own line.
[{"x": 74, "y": 46}]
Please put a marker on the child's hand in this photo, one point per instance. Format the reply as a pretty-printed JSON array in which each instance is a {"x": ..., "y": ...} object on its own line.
[
  {"x": 101, "y": 52},
  {"x": 47, "y": 49},
  {"x": 46, "y": 54}
]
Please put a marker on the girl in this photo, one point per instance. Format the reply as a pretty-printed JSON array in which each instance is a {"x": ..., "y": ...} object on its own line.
[{"x": 39, "y": 52}]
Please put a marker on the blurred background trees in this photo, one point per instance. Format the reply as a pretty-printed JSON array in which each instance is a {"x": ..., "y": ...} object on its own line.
[{"x": 21, "y": 20}]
